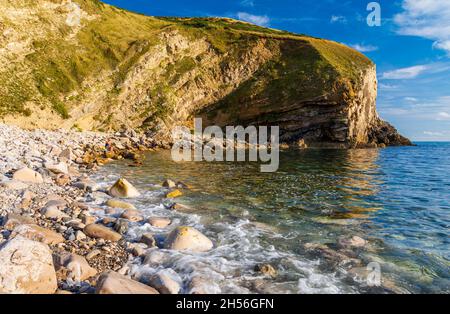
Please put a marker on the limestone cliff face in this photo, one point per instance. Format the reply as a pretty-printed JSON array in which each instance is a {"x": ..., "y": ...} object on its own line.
[{"x": 87, "y": 65}]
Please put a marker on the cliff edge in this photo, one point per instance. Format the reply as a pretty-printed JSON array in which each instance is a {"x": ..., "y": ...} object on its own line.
[{"x": 86, "y": 65}]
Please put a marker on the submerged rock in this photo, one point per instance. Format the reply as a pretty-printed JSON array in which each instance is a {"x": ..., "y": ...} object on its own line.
[
  {"x": 113, "y": 283},
  {"x": 188, "y": 238},
  {"x": 26, "y": 267},
  {"x": 355, "y": 241},
  {"x": 28, "y": 175},
  {"x": 123, "y": 188}
]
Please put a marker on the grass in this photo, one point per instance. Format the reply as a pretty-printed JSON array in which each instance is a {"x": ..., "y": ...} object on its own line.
[{"x": 114, "y": 42}]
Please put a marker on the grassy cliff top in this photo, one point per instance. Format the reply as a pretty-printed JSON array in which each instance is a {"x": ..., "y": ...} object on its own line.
[{"x": 49, "y": 61}]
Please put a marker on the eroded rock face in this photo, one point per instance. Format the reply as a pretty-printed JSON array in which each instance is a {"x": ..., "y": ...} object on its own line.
[
  {"x": 26, "y": 267},
  {"x": 188, "y": 238},
  {"x": 113, "y": 283}
]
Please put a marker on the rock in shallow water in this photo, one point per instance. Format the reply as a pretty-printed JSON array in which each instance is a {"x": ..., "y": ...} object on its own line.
[
  {"x": 113, "y": 283},
  {"x": 113, "y": 203},
  {"x": 159, "y": 222},
  {"x": 188, "y": 238},
  {"x": 166, "y": 281},
  {"x": 132, "y": 215},
  {"x": 123, "y": 188},
  {"x": 26, "y": 267},
  {"x": 174, "y": 194}
]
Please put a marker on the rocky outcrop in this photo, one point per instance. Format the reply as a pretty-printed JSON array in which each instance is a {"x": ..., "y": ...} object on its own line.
[{"x": 162, "y": 75}]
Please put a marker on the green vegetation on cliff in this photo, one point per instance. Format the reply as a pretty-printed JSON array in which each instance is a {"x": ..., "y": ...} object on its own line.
[{"x": 59, "y": 66}]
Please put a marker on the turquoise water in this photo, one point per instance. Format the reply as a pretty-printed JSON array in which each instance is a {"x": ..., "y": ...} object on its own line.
[{"x": 398, "y": 199}]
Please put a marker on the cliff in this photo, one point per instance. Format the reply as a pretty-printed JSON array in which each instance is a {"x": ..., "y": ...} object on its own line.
[{"x": 87, "y": 65}]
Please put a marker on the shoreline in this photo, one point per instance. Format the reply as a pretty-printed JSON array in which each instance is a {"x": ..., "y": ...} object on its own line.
[{"x": 87, "y": 245}]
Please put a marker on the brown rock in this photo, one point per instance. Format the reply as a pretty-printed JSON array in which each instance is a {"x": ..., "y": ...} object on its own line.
[
  {"x": 37, "y": 233},
  {"x": 13, "y": 220},
  {"x": 119, "y": 204},
  {"x": 159, "y": 222},
  {"x": 267, "y": 270},
  {"x": 102, "y": 232},
  {"x": 113, "y": 283},
  {"x": 188, "y": 238},
  {"x": 132, "y": 215}
]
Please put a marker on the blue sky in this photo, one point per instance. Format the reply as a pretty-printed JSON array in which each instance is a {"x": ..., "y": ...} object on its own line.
[{"x": 411, "y": 47}]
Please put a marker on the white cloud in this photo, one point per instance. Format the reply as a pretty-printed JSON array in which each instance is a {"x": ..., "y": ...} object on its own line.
[
  {"x": 431, "y": 133},
  {"x": 428, "y": 19},
  {"x": 248, "y": 3},
  {"x": 443, "y": 116},
  {"x": 338, "y": 19},
  {"x": 364, "y": 48},
  {"x": 405, "y": 73},
  {"x": 411, "y": 99},
  {"x": 262, "y": 20},
  {"x": 388, "y": 86}
]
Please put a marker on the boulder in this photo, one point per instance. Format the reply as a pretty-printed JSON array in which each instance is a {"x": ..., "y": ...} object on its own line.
[
  {"x": 101, "y": 232},
  {"x": 166, "y": 281},
  {"x": 113, "y": 203},
  {"x": 132, "y": 215},
  {"x": 37, "y": 233},
  {"x": 123, "y": 188},
  {"x": 174, "y": 194},
  {"x": 26, "y": 267},
  {"x": 113, "y": 283},
  {"x": 77, "y": 267},
  {"x": 28, "y": 175},
  {"x": 57, "y": 168},
  {"x": 52, "y": 212},
  {"x": 188, "y": 238},
  {"x": 159, "y": 222},
  {"x": 12, "y": 220}
]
